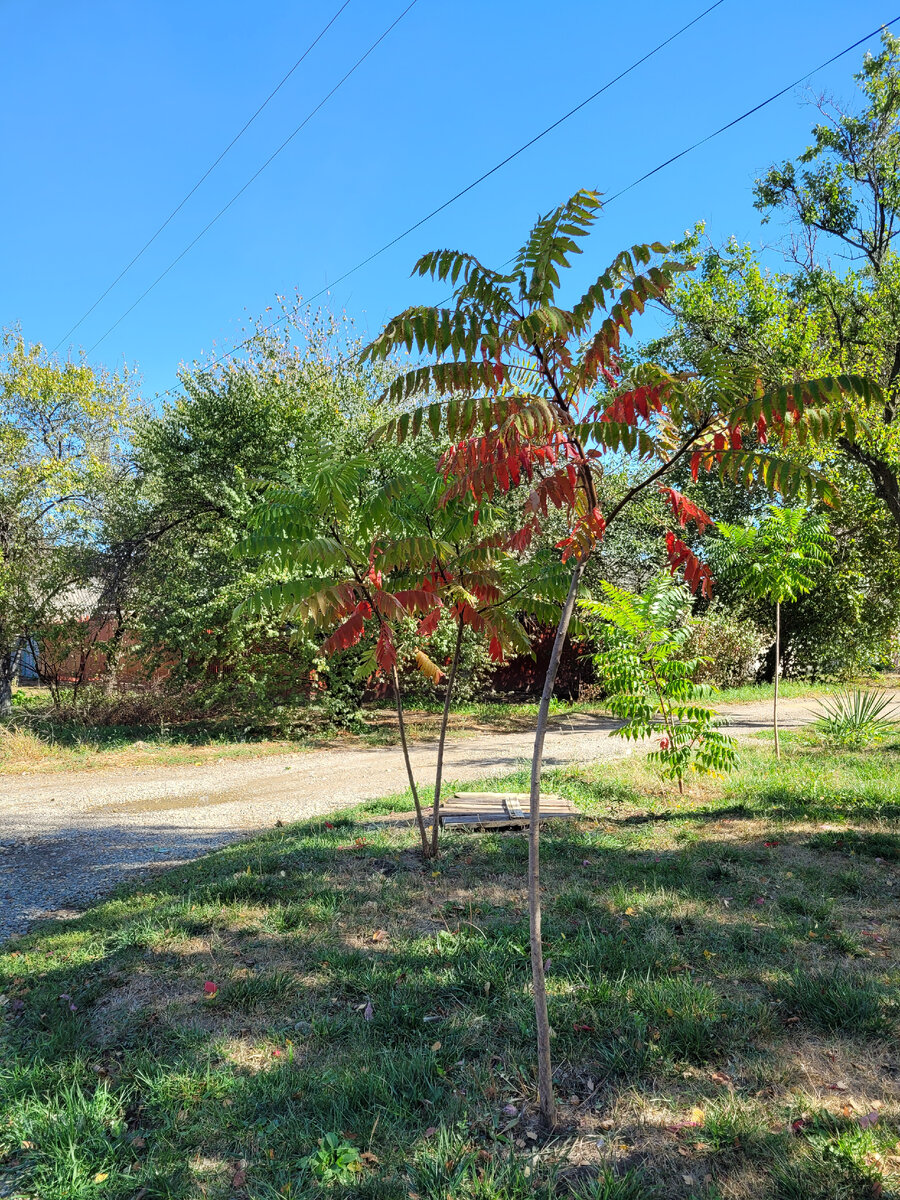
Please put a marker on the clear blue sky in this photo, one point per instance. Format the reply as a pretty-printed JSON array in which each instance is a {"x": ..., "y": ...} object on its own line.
[{"x": 111, "y": 111}]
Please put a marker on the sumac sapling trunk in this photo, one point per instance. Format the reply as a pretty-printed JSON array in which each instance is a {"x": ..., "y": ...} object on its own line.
[{"x": 542, "y": 1018}]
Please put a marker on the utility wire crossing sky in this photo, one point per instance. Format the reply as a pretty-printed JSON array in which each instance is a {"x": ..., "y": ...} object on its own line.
[
  {"x": 122, "y": 120},
  {"x": 607, "y": 200}
]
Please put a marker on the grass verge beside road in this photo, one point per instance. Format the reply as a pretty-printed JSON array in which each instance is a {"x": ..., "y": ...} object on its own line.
[
  {"x": 314, "y": 1012},
  {"x": 33, "y": 742}
]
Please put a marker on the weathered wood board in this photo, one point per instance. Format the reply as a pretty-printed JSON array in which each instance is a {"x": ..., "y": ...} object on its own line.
[{"x": 496, "y": 809}]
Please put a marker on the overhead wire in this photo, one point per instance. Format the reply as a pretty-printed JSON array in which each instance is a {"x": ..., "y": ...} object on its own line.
[
  {"x": 616, "y": 195},
  {"x": 309, "y": 116},
  {"x": 475, "y": 182},
  {"x": 206, "y": 174}
]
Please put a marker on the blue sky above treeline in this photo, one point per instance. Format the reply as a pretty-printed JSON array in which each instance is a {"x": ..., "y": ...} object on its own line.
[{"x": 110, "y": 112}]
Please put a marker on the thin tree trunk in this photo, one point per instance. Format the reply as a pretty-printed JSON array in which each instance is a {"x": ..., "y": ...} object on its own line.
[
  {"x": 409, "y": 771},
  {"x": 6, "y": 686},
  {"x": 542, "y": 1019},
  {"x": 439, "y": 769},
  {"x": 777, "y": 673},
  {"x": 10, "y": 663}
]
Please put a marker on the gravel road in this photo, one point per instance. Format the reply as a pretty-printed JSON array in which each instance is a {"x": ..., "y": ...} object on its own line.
[{"x": 68, "y": 838}]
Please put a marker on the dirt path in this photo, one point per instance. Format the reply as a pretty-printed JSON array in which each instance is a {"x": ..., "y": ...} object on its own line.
[{"x": 67, "y": 839}]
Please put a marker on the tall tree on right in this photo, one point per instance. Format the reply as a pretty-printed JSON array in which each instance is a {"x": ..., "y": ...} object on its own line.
[
  {"x": 775, "y": 560},
  {"x": 846, "y": 187}
]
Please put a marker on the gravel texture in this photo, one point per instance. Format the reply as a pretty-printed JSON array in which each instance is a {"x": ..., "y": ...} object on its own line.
[{"x": 67, "y": 839}]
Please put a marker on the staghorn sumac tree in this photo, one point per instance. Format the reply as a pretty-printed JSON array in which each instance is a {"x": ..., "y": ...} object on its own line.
[
  {"x": 379, "y": 563},
  {"x": 535, "y": 394}
]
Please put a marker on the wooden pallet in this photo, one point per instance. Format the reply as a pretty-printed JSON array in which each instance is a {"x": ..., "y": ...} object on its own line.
[{"x": 493, "y": 810}]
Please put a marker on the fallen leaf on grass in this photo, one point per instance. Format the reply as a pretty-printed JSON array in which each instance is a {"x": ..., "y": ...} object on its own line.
[
  {"x": 239, "y": 1179},
  {"x": 369, "y": 1011},
  {"x": 100, "y": 1176},
  {"x": 210, "y": 988},
  {"x": 867, "y": 1121},
  {"x": 435, "y": 1047}
]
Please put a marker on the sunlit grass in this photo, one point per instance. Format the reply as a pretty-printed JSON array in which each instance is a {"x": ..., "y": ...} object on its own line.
[{"x": 723, "y": 989}]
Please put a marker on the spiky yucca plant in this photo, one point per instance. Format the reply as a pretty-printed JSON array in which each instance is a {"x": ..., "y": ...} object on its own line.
[{"x": 854, "y": 719}]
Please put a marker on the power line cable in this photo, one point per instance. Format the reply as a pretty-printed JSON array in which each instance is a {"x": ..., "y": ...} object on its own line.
[
  {"x": 475, "y": 182},
  {"x": 634, "y": 183},
  {"x": 750, "y": 111},
  {"x": 206, "y": 174},
  {"x": 309, "y": 116}
]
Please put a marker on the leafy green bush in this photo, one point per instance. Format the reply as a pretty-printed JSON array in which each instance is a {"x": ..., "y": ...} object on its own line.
[{"x": 728, "y": 643}]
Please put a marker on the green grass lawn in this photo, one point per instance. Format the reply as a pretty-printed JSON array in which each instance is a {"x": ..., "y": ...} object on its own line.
[{"x": 723, "y": 974}]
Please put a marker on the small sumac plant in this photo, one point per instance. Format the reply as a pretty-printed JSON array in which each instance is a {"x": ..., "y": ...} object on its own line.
[
  {"x": 775, "y": 558},
  {"x": 648, "y": 679},
  {"x": 377, "y": 564}
]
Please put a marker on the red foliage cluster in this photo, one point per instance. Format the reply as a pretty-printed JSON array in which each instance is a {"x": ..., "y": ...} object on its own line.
[{"x": 697, "y": 575}]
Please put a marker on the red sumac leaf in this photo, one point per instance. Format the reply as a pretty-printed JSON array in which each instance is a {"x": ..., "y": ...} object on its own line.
[
  {"x": 429, "y": 624},
  {"x": 349, "y": 633},
  {"x": 697, "y": 575},
  {"x": 686, "y": 510}
]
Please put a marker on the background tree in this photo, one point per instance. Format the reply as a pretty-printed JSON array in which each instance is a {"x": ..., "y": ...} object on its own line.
[
  {"x": 63, "y": 467},
  {"x": 776, "y": 561},
  {"x": 846, "y": 186},
  {"x": 294, "y": 400},
  {"x": 733, "y": 307},
  {"x": 538, "y": 396}
]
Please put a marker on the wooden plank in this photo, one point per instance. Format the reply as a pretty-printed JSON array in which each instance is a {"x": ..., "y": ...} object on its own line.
[{"x": 495, "y": 809}]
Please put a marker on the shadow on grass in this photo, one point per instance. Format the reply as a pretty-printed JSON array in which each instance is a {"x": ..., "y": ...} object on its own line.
[{"x": 360, "y": 993}]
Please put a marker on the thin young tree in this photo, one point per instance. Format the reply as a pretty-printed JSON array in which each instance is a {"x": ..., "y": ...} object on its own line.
[
  {"x": 378, "y": 564},
  {"x": 775, "y": 560},
  {"x": 533, "y": 393}
]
